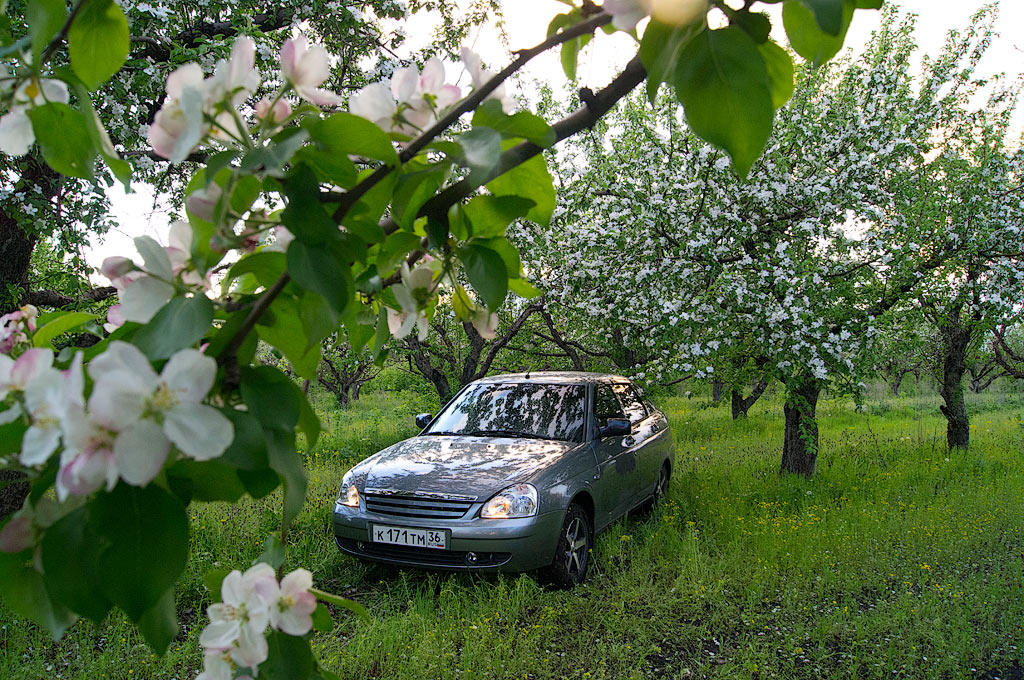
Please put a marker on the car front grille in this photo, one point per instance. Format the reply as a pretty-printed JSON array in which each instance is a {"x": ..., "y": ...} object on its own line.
[
  {"x": 419, "y": 507},
  {"x": 426, "y": 557}
]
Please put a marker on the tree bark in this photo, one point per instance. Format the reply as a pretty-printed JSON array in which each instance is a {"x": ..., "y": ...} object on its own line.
[
  {"x": 12, "y": 492},
  {"x": 717, "y": 386},
  {"x": 955, "y": 340},
  {"x": 740, "y": 404},
  {"x": 800, "y": 443}
]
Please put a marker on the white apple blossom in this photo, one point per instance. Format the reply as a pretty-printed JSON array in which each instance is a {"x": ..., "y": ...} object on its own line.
[
  {"x": 413, "y": 294},
  {"x": 202, "y": 203},
  {"x": 239, "y": 620},
  {"x": 486, "y": 323},
  {"x": 16, "y": 326},
  {"x": 179, "y": 125},
  {"x": 292, "y": 610},
  {"x": 150, "y": 412},
  {"x": 412, "y": 101},
  {"x": 16, "y": 133},
  {"x": 479, "y": 75},
  {"x": 305, "y": 67},
  {"x": 273, "y": 111},
  {"x": 626, "y": 14},
  {"x": 376, "y": 103},
  {"x": 50, "y": 397}
]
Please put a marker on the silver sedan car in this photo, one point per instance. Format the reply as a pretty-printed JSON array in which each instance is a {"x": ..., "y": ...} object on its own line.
[{"x": 517, "y": 472}]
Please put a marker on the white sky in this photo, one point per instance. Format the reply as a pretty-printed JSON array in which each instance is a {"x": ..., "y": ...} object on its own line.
[{"x": 526, "y": 25}]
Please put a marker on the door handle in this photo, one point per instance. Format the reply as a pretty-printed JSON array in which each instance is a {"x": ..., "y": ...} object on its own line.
[{"x": 628, "y": 441}]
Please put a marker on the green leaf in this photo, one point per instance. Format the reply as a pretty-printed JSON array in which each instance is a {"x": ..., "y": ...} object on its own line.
[
  {"x": 63, "y": 136},
  {"x": 26, "y": 595},
  {"x": 780, "y": 72},
  {"x": 520, "y": 124},
  {"x": 412, "y": 190},
  {"x": 180, "y": 323},
  {"x": 271, "y": 159},
  {"x": 346, "y": 133},
  {"x": 248, "y": 450},
  {"x": 98, "y": 42},
  {"x": 318, "y": 270},
  {"x": 569, "y": 55},
  {"x": 318, "y": 318},
  {"x": 806, "y": 35},
  {"x": 363, "y": 218},
  {"x": 159, "y": 624},
  {"x": 271, "y": 397},
  {"x": 287, "y": 463},
  {"x": 274, "y": 552},
  {"x": 322, "y": 620},
  {"x": 524, "y": 288},
  {"x": 11, "y": 435},
  {"x": 246, "y": 190},
  {"x": 487, "y": 273},
  {"x": 283, "y": 328},
  {"x": 69, "y": 555},
  {"x": 290, "y": 658},
  {"x": 259, "y": 483},
  {"x": 309, "y": 423},
  {"x": 828, "y": 14},
  {"x": 266, "y": 266},
  {"x": 207, "y": 481},
  {"x": 305, "y": 216},
  {"x": 333, "y": 168},
  {"x": 63, "y": 323},
  {"x": 395, "y": 248},
  {"x": 351, "y": 605},
  {"x": 133, "y": 527},
  {"x": 529, "y": 180},
  {"x": 482, "y": 148},
  {"x": 101, "y": 140},
  {"x": 756, "y": 24},
  {"x": 722, "y": 82},
  {"x": 213, "y": 580},
  {"x": 215, "y": 164},
  {"x": 508, "y": 252},
  {"x": 659, "y": 51},
  {"x": 491, "y": 215},
  {"x": 45, "y": 18}
]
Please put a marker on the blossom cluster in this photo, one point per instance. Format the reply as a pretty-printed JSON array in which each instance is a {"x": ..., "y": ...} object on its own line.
[
  {"x": 126, "y": 426},
  {"x": 411, "y": 100},
  {"x": 196, "y": 106},
  {"x": 16, "y": 327},
  {"x": 251, "y": 603},
  {"x": 414, "y": 295}
]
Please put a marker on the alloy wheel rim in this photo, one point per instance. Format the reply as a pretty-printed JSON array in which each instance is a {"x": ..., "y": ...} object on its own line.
[{"x": 576, "y": 540}]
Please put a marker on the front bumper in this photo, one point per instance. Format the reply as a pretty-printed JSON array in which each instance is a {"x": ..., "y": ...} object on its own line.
[{"x": 479, "y": 545}]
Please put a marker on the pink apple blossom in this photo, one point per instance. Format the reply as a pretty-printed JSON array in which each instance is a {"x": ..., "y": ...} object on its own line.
[{"x": 305, "y": 67}]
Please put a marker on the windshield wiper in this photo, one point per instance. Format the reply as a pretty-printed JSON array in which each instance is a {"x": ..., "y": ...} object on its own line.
[
  {"x": 504, "y": 433},
  {"x": 448, "y": 434}
]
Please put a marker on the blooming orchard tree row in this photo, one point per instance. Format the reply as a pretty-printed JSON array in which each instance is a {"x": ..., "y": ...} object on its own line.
[
  {"x": 169, "y": 408},
  {"x": 792, "y": 266}
]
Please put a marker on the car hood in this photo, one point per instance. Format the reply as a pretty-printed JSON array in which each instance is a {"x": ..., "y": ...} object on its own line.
[{"x": 471, "y": 466}]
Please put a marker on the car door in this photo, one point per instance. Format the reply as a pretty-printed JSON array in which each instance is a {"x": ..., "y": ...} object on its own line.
[
  {"x": 645, "y": 429},
  {"x": 615, "y": 486}
]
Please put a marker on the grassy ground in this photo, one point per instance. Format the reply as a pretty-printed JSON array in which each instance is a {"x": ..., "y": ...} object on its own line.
[{"x": 897, "y": 560}]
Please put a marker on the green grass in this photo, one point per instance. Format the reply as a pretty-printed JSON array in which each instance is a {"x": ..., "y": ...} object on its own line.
[{"x": 897, "y": 559}]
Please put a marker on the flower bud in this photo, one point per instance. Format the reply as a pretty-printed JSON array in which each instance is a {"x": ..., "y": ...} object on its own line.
[
  {"x": 202, "y": 203},
  {"x": 273, "y": 111}
]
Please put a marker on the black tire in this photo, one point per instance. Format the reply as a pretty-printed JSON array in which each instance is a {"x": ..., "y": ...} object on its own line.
[
  {"x": 572, "y": 556},
  {"x": 661, "y": 486},
  {"x": 660, "y": 489}
]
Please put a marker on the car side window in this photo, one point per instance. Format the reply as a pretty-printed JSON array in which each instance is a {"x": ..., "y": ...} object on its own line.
[
  {"x": 606, "y": 406},
  {"x": 631, "y": 403}
]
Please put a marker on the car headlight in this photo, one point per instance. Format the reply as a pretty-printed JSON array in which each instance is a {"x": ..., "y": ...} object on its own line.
[
  {"x": 348, "y": 494},
  {"x": 518, "y": 500}
]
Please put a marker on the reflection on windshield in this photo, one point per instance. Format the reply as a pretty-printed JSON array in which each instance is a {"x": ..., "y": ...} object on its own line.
[{"x": 527, "y": 409}]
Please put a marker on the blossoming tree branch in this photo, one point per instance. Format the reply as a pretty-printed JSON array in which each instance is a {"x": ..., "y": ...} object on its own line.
[{"x": 308, "y": 215}]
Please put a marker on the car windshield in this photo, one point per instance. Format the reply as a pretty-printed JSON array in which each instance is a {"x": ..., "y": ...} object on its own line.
[{"x": 515, "y": 410}]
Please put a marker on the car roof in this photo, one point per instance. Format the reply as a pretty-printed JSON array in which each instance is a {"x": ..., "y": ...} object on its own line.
[{"x": 555, "y": 377}]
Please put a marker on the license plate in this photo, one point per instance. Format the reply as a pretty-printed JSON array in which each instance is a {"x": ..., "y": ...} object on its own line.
[{"x": 417, "y": 538}]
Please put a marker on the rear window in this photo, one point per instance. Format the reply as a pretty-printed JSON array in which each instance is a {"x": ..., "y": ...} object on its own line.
[{"x": 510, "y": 409}]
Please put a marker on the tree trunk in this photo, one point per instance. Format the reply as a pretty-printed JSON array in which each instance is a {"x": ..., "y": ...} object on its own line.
[
  {"x": 355, "y": 391},
  {"x": 955, "y": 340},
  {"x": 741, "y": 404},
  {"x": 800, "y": 445},
  {"x": 894, "y": 386},
  {"x": 716, "y": 392},
  {"x": 12, "y": 492}
]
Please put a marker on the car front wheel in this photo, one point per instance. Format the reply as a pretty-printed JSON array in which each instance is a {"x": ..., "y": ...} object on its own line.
[{"x": 572, "y": 556}]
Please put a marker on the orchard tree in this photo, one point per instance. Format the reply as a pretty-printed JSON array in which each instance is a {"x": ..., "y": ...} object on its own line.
[
  {"x": 661, "y": 238},
  {"x": 969, "y": 199},
  {"x": 37, "y": 202},
  {"x": 169, "y": 408},
  {"x": 342, "y": 371}
]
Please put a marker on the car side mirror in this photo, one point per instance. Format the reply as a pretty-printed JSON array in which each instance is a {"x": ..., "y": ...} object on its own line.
[
  {"x": 423, "y": 419},
  {"x": 615, "y": 427}
]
